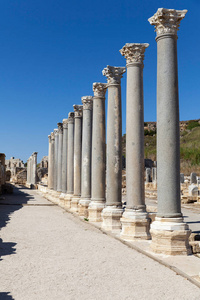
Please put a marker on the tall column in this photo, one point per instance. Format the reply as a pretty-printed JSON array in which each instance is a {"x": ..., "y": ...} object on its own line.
[
  {"x": 78, "y": 112},
  {"x": 34, "y": 169},
  {"x": 31, "y": 170},
  {"x": 51, "y": 186},
  {"x": 135, "y": 221},
  {"x": 112, "y": 213},
  {"x": 169, "y": 233},
  {"x": 50, "y": 174},
  {"x": 64, "y": 156},
  {"x": 27, "y": 172},
  {"x": 55, "y": 159},
  {"x": 59, "y": 166},
  {"x": 98, "y": 153},
  {"x": 70, "y": 161},
  {"x": 86, "y": 156}
]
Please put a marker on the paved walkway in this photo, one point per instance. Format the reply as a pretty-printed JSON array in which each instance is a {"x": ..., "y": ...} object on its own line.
[{"x": 47, "y": 253}]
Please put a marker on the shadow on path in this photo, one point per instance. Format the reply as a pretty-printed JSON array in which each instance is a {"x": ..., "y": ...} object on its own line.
[
  {"x": 9, "y": 203},
  {"x": 6, "y": 296}
]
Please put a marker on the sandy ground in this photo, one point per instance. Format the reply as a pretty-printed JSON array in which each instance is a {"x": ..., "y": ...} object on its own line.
[{"x": 47, "y": 253}]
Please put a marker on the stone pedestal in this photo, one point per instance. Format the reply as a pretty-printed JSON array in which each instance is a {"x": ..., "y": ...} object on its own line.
[
  {"x": 112, "y": 213},
  {"x": 170, "y": 236},
  {"x": 86, "y": 156},
  {"x": 78, "y": 109},
  {"x": 135, "y": 225},
  {"x": 166, "y": 22},
  {"x": 135, "y": 222},
  {"x": 98, "y": 153}
]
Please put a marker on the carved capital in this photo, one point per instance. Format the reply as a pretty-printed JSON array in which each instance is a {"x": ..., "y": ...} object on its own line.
[
  {"x": 134, "y": 52},
  {"x": 60, "y": 128},
  {"x": 167, "y": 20},
  {"x": 113, "y": 74},
  {"x": 49, "y": 136},
  {"x": 78, "y": 111},
  {"x": 55, "y": 132},
  {"x": 87, "y": 102},
  {"x": 52, "y": 136},
  {"x": 65, "y": 123},
  {"x": 71, "y": 118},
  {"x": 99, "y": 89}
]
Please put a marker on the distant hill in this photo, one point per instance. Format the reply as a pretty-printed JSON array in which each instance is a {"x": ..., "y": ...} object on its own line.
[{"x": 189, "y": 148}]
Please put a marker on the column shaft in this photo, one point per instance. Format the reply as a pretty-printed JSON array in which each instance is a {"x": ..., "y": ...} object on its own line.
[
  {"x": 55, "y": 159},
  {"x": 64, "y": 156},
  {"x": 86, "y": 156},
  {"x": 59, "y": 167}
]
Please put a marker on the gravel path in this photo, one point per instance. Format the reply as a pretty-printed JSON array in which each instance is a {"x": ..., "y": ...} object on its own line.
[{"x": 47, "y": 253}]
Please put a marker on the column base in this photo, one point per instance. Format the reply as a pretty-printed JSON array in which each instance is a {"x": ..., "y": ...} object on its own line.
[
  {"x": 83, "y": 207},
  {"x": 111, "y": 218},
  {"x": 67, "y": 201},
  {"x": 135, "y": 225},
  {"x": 74, "y": 203},
  {"x": 170, "y": 236},
  {"x": 61, "y": 200},
  {"x": 94, "y": 210}
]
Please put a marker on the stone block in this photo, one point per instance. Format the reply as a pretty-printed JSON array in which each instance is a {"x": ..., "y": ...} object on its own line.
[{"x": 111, "y": 216}]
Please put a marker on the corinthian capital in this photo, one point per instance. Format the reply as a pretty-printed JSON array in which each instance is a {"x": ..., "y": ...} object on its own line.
[
  {"x": 99, "y": 89},
  {"x": 167, "y": 20},
  {"x": 52, "y": 136},
  {"x": 114, "y": 74},
  {"x": 65, "y": 123},
  {"x": 78, "y": 111},
  {"x": 87, "y": 102},
  {"x": 55, "y": 132},
  {"x": 71, "y": 118},
  {"x": 60, "y": 128},
  {"x": 134, "y": 52}
]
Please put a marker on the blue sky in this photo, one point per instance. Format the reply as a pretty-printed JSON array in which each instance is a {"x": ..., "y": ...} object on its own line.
[{"x": 52, "y": 51}]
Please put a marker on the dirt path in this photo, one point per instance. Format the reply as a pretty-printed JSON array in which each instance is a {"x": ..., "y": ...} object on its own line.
[{"x": 46, "y": 253}]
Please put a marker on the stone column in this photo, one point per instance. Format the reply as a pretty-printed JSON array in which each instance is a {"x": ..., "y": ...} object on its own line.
[
  {"x": 50, "y": 173},
  {"x": 135, "y": 221},
  {"x": 28, "y": 172},
  {"x": 34, "y": 169},
  {"x": 51, "y": 162},
  {"x": 169, "y": 233},
  {"x": 64, "y": 156},
  {"x": 98, "y": 153},
  {"x": 31, "y": 170},
  {"x": 86, "y": 156},
  {"x": 59, "y": 165},
  {"x": 55, "y": 159},
  {"x": 70, "y": 161},
  {"x": 112, "y": 213},
  {"x": 78, "y": 110}
]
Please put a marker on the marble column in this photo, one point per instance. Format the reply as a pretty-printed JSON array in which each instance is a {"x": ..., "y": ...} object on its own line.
[
  {"x": 112, "y": 213},
  {"x": 169, "y": 232},
  {"x": 78, "y": 111},
  {"x": 59, "y": 164},
  {"x": 64, "y": 156},
  {"x": 86, "y": 156},
  {"x": 50, "y": 174},
  {"x": 28, "y": 172},
  {"x": 135, "y": 221},
  {"x": 34, "y": 169},
  {"x": 51, "y": 184},
  {"x": 70, "y": 161},
  {"x": 31, "y": 168},
  {"x": 55, "y": 159},
  {"x": 98, "y": 153}
]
